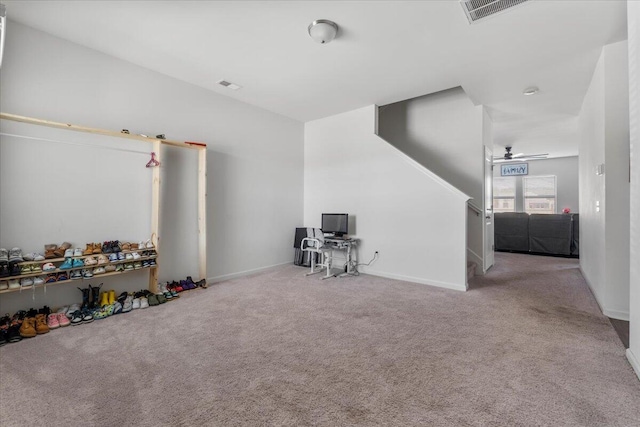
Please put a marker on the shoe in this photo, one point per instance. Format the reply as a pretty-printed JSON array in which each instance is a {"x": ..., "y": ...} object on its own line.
[
  {"x": 51, "y": 278},
  {"x": 98, "y": 270},
  {"x": 87, "y": 274},
  {"x": 112, "y": 297},
  {"x": 53, "y": 322},
  {"x": 77, "y": 252},
  {"x": 137, "y": 265},
  {"x": 145, "y": 263},
  {"x": 94, "y": 296},
  {"x": 127, "y": 305},
  {"x": 106, "y": 248},
  {"x": 74, "y": 307},
  {"x": 115, "y": 246},
  {"x": 76, "y": 317},
  {"x": 120, "y": 267},
  {"x": 191, "y": 283},
  {"x": 5, "y": 322},
  {"x": 144, "y": 302},
  {"x": 97, "y": 248},
  {"x": 90, "y": 261},
  {"x": 4, "y": 270},
  {"x": 102, "y": 259},
  {"x": 125, "y": 246},
  {"x": 117, "y": 307},
  {"x": 38, "y": 281},
  {"x": 69, "y": 253},
  {"x": 29, "y": 256},
  {"x": 67, "y": 264},
  {"x": 35, "y": 268},
  {"x": 63, "y": 310},
  {"x": 89, "y": 250},
  {"x": 128, "y": 266},
  {"x": 76, "y": 274},
  {"x": 113, "y": 257},
  {"x": 128, "y": 256},
  {"x": 48, "y": 267},
  {"x": 161, "y": 298},
  {"x": 62, "y": 319},
  {"x": 49, "y": 251},
  {"x": 135, "y": 255},
  {"x": 62, "y": 276},
  {"x": 152, "y": 262},
  {"x": 153, "y": 300},
  {"x": 25, "y": 269},
  {"x": 60, "y": 250},
  {"x": 87, "y": 315},
  {"x": 77, "y": 263},
  {"x": 109, "y": 268},
  {"x": 4, "y": 255},
  {"x": 135, "y": 303},
  {"x": 26, "y": 283},
  {"x": 165, "y": 291},
  {"x": 41, "y": 324},
  {"x": 15, "y": 255},
  {"x": 28, "y": 327},
  {"x": 4, "y": 285},
  {"x": 172, "y": 288},
  {"x": 121, "y": 256},
  {"x": 13, "y": 333},
  {"x": 14, "y": 268},
  {"x": 202, "y": 283}
]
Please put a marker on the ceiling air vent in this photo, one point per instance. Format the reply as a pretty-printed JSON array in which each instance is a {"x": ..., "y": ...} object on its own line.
[
  {"x": 228, "y": 84},
  {"x": 479, "y": 9}
]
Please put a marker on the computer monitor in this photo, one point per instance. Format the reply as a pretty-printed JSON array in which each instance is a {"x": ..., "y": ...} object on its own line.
[{"x": 337, "y": 224}]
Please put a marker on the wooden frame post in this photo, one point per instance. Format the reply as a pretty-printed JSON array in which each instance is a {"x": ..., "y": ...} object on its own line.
[
  {"x": 155, "y": 218},
  {"x": 202, "y": 212}
]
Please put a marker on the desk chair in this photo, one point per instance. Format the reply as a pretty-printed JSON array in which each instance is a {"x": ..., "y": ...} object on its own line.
[{"x": 315, "y": 245}]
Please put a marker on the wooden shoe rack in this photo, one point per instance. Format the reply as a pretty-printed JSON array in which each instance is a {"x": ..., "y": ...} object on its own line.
[
  {"x": 69, "y": 270},
  {"x": 157, "y": 145}
]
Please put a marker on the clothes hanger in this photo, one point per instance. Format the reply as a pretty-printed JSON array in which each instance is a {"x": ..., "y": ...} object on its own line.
[{"x": 153, "y": 162}]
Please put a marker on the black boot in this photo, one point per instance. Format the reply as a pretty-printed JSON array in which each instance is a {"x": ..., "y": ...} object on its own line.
[
  {"x": 85, "y": 297},
  {"x": 95, "y": 296}
]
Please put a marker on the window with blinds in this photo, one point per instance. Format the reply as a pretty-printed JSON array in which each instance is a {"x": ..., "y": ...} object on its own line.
[
  {"x": 504, "y": 194},
  {"x": 539, "y": 194}
]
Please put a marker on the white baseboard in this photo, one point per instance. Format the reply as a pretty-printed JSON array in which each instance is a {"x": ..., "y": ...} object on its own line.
[
  {"x": 614, "y": 314},
  {"x": 634, "y": 361},
  {"x": 244, "y": 273},
  {"x": 435, "y": 283}
]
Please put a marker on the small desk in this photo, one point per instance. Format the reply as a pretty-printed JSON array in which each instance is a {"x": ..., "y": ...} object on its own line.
[{"x": 343, "y": 245}]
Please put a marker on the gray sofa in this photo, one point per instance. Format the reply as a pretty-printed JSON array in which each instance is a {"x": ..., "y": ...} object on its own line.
[{"x": 537, "y": 233}]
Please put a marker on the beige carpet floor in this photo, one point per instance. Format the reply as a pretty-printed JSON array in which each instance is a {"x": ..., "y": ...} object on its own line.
[{"x": 526, "y": 346}]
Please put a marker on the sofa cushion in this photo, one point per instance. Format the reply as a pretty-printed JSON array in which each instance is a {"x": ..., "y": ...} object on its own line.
[
  {"x": 550, "y": 234},
  {"x": 511, "y": 231}
]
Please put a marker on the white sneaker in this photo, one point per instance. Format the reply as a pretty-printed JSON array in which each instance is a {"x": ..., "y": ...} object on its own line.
[
  {"x": 27, "y": 282},
  {"x": 14, "y": 284},
  {"x": 77, "y": 252},
  {"x": 135, "y": 255},
  {"x": 4, "y": 285},
  {"x": 63, "y": 310},
  {"x": 68, "y": 253},
  {"x": 143, "y": 302},
  {"x": 38, "y": 257},
  {"x": 136, "y": 303},
  {"x": 37, "y": 281}
]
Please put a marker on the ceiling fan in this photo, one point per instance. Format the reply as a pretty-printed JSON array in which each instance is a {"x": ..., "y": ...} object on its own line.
[{"x": 519, "y": 157}]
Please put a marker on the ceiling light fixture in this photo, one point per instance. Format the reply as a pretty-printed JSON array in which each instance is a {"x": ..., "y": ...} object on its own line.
[
  {"x": 323, "y": 30},
  {"x": 530, "y": 91}
]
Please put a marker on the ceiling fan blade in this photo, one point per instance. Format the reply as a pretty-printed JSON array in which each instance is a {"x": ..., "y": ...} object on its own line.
[{"x": 518, "y": 155}]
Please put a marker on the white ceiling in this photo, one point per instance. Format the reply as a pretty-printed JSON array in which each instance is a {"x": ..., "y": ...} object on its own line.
[{"x": 386, "y": 51}]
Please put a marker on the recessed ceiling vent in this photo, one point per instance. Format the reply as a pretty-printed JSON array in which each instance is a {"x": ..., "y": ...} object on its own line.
[
  {"x": 479, "y": 9},
  {"x": 228, "y": 84}
]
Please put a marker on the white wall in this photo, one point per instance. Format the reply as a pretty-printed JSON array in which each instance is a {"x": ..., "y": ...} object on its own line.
[
  {"x": 414, "y": 220},
  {"x": 633, "y": 16},
  {"x": 255, "y": 187},
  {"x": 443, "y": 132},
  {"x": 604, "y": 243},
  {"x": 566, "y": 171}
]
